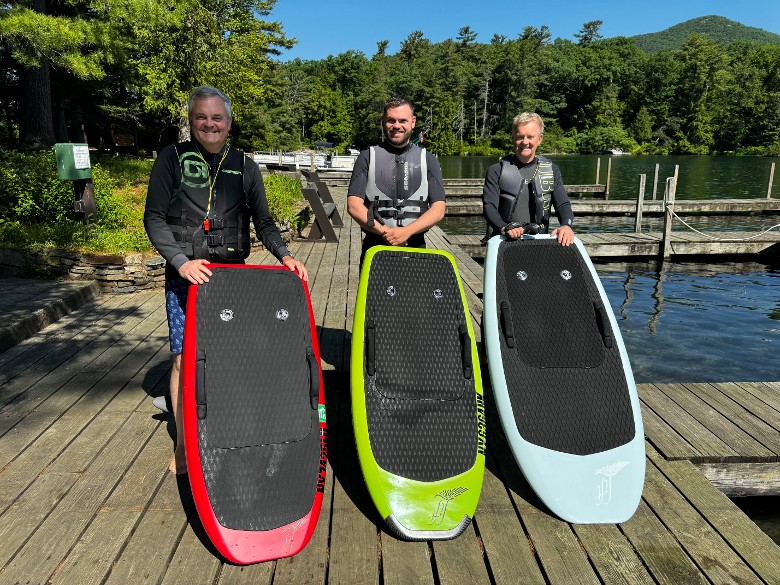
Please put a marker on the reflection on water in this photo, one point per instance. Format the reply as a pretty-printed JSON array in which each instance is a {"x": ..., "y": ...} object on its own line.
[
  {"x": 688, "y": 322},
  {"x": 700, "y": 177}
]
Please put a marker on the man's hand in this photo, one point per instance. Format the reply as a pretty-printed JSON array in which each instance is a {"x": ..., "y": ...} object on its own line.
[
  {"x": 195, "y": 271},
  {"x": 397, "y": 236},
  {"x": 565, "y": 235},
  {"x": 297, "y": 267}
]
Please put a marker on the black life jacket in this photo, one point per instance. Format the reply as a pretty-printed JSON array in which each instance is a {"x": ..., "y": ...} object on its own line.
[
  {"x": 510, "y": 182},
  {"x": 228, "y": 218},
  {"x": 397, "y": 184}
]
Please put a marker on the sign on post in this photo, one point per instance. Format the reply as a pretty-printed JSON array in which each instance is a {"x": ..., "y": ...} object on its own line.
[{"x": 73, "y": 164}]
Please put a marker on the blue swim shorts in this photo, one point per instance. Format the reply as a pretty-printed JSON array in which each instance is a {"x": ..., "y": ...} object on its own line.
[{"x": 176, "y": 289}]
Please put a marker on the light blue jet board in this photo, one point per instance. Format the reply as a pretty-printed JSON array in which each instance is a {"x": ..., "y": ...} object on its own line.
[{"x": 565, "y": 392}]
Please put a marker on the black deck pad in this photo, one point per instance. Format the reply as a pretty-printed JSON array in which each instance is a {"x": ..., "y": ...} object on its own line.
[
  {"x": 259, "y": 444},
  {"x": 565, "y": 376},
  {"x": 421, "y": 407}
]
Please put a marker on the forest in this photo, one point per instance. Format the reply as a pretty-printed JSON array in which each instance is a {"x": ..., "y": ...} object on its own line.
[{"x": 96, "y": 70}]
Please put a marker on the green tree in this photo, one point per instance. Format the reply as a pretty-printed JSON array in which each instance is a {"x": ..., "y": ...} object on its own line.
[
  {"x": 442, "y": 140},
  {"x": 186, "y": 43}
]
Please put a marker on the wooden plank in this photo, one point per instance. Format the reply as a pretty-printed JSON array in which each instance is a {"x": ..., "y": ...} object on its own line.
[
  {"x": 405, "y": 562},
  {"x": 768, "y": 392},
  {"x": 193, "y": 561},
  {"x": 612, "y": 554},
  {"x": 49, "y": 545},
  {"x": 55, "y": 365},
  {"x": 21, "y": 520},
  {"x": 757, "y": 549},
  {"x": 752, "y": 398},
  {"x": 711, "y": 447},
  {"x": 711, "y": 553},
  {"x": 664, "y": 438},
  {"x": 746, "y": 421},
  {"x": 662, "y": 554},
  {"x": 151, "y": 547},
  {"x": 460, "y": 561},
  {"x": 261, "y": 574},
  {"x": 743, "y": 479},
  {"x": 508, "y": 548},
  {"x": 722, "y": 425}
]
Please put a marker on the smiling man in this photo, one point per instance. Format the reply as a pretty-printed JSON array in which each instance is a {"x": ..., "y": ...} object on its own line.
[
  {"x": 396, "y": 192},
  {"x": 201, "y": 195},
  {"x": 519, "y": 189}
]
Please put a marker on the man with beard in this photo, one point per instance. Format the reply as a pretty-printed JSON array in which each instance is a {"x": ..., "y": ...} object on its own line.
[{"x": 396, "y": 192}]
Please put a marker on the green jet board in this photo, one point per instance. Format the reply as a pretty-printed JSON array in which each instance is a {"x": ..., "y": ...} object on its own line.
[{"x": 417, "y": 402}]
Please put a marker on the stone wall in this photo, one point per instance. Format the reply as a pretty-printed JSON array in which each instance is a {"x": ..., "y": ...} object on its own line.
[{"x": 113, "y": 273}]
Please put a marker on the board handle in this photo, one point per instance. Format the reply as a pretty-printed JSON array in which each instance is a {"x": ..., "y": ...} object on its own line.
[
  {"x": 506, "y": 324},
  {"x": 465, "y": 351},
  {"x": 370, "y": 342},
  {"x": 200, "y": 385},
  {"x": 602, "y": 319},
  {"x": 314, "y": 378}
]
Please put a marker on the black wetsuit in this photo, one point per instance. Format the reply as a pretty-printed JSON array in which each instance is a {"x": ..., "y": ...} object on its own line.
[
  {"x": 491, "y": 195},
  {"x": 163, "y": 203}
]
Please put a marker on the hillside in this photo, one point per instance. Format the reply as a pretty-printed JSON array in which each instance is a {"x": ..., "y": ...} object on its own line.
[{"x": 715, "y": 27}]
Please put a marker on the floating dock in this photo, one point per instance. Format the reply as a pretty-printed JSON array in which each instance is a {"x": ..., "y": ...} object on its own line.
[{"x": 85, "y": 496}]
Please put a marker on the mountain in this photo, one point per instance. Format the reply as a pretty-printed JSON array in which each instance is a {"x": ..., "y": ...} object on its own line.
[{"x": 717, "y": 28}]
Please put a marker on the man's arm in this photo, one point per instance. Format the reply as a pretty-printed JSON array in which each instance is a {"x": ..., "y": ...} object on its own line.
[
  {"x": 560, "y": 200},
  {"x": 491, "y": 196}
]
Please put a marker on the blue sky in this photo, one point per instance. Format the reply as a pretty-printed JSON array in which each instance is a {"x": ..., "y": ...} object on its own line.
[{"x": 331, "y": 27}]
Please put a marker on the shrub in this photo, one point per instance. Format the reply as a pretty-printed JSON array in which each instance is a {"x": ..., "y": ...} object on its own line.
[{"x": 285, "y": 198}]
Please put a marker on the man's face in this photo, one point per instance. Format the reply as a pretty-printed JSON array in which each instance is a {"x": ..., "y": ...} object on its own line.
[
  {"x": 397, "y": 125},
  {"x": 527, "y": 138},
  {"x": 209, "y": 123}
]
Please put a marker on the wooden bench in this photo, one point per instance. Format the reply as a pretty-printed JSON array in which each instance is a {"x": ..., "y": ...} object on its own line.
[{"x": 326, "y": 213}]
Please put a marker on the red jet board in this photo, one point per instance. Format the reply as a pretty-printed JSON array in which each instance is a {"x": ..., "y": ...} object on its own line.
[{"x": 253, "y": 408}]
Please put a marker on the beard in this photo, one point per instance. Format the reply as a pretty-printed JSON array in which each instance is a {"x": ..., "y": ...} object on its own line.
[{"x": 398, "y": 140}]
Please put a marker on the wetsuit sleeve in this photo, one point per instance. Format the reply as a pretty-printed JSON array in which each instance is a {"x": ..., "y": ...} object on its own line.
[
  {"x": 359, "y": 179},
  {"x": 561, "y": 201},
  {"x": 160, "y": 193},
  {"x": 265, "y": 227},
  {"x": 490, "y": 198},
  {"x": 435, "y": 182}
]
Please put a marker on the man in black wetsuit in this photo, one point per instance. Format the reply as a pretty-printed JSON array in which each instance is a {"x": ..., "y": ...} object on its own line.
[
  {"x": 200, "y": 198},
  {"x": 518, "y": 190},
  {"x": 396, "y": 192}
]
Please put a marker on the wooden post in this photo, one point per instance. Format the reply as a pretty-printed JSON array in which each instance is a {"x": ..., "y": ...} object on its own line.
[
  {"x": 676, "y": 177},
  {"x": 598, "y": 169},
  {"x": 666, "y": 244},
  {"x": 609, "y": 175},
  {"x": 640, "y": 200},
  {"x": 655, "y": 180},
  {"x": 771, "y": 178},
  {"x": 312, "y": 166}
]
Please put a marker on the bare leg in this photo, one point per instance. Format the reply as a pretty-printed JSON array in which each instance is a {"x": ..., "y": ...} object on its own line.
[{"x": 178, "y": 464}]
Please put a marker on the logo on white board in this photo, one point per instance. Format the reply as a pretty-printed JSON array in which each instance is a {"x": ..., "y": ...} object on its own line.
[{"x": 604, "y": 487}]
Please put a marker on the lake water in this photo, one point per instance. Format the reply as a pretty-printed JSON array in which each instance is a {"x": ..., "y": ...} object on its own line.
[{"x": 682, "y": 322}]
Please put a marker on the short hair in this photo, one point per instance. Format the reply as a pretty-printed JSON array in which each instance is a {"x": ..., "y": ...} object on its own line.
[
  {"x": 526, "y": 117},
  {"x": 204, "y": 92},
  {"x": 397, "y": 102}
]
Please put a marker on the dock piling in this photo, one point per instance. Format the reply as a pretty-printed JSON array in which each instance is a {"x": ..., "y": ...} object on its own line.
[
  {"x": 666, "y": 240},
  {"x": 640, "y": 200},
  {"x": 771, "y": 179}
]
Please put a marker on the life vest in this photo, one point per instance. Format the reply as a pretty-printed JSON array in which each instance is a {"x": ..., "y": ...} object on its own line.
[
  {"x": 541, "y": 186},
  {"x": 217, "y": 228},
  {"x": 397, "y": 186}
]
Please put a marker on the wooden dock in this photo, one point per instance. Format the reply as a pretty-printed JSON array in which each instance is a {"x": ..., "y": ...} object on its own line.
[
  {"x": 85, "y": 496},
  {"x": 685, "y": 245}
]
